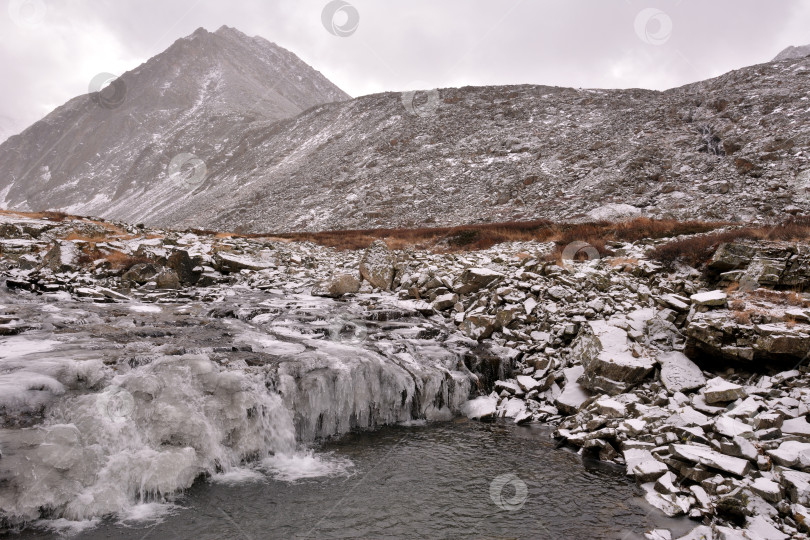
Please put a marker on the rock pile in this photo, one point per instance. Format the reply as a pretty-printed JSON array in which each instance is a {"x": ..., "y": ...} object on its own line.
[{"x": 698, "y": 386}]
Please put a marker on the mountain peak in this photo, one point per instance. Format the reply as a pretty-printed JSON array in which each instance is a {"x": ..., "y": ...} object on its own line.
[
  {"x": 793, "y": 52},
  {"x": 226, "y": 30},
  {"x": 204, "y": 89}
]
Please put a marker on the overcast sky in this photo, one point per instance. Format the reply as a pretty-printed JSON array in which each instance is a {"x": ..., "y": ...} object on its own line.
[{"x": 51, "y": 49}]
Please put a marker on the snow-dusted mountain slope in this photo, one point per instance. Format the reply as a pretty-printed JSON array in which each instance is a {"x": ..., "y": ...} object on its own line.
[
  {"x": 196, "y": 97},
  {"x": 733, "y": 147}
]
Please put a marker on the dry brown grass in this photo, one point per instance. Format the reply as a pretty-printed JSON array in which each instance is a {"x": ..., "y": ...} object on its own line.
[
  {"x": 742, "y": 317},
  {"x": 782, "y": 298},
  {"x": 85, "y": 238},
  {"x": 737, "y": 305},
  {"x": 483, "y": 236},
  {"x": 123, "y": 262},
  {"x": 697, "y": 251},
  {"x": 622, "y": 261}
]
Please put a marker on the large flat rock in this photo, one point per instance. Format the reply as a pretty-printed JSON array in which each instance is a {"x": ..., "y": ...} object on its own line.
[
  {"x": 609, "y": 364},
  {"x": 679, "y": 373},
  {"x": 706, "y": 456}
]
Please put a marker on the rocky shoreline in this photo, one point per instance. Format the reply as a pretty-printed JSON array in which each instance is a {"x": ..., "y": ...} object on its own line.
[{"x": 694, "y": 379}]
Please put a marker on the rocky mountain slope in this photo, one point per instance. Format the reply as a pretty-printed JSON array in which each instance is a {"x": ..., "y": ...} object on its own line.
[
  {"x": 733, "y": 147},
  {"x": 107, "y": 149}
]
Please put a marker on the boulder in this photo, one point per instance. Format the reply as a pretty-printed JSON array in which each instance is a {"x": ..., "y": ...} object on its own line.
[
  {"x": 167, "y": 279},
  {"x": 475, "y": 279},
  {"x": 679, "y": 373},
  {"x": 62, "y": 257},
  {"x": 183, "y": 265},
  {"x": 704, "y": 455},
  {"x": 796, "y": 426},
  {"x": 731, "y": 256},
  {"x": 776, "y": 340},
  {"x": 141, "y": 273},
  {"x": 574, "y": 395},
  {"x": 227, "y": 262},
  {"x": 445, "y": 301},
  {"x": 478, "y": 326},
  {"x": 797, "y": 485},
  {"x": 338, "y": 286},
  {"x": 377, "y": 265},
  {"x": 609, "y": 364},
  {"x": 711, "y": 298},
  {"x": 719, "y": 390},
  {"x": 791, "y": 454}
]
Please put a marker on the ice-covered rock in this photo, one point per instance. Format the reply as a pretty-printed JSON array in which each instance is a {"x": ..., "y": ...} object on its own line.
[{"x": 480, "y": 408}]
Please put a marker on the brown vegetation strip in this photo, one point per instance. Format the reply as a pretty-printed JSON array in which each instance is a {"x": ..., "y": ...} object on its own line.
[
  {"x": 697, "y": 250},
  {"x": 483, "y": 236}
]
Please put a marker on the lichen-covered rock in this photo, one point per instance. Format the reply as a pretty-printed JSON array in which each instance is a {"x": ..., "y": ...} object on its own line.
[{"x": 377, "y": 265}]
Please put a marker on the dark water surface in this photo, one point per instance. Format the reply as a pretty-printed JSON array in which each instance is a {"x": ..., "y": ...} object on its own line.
[{"x": 431, "y": 481}]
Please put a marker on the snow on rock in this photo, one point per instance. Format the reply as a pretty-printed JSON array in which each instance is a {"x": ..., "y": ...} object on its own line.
[
  {"x": 614, "y": 212},
  {"x": 791, "y": 454},
  {"x": 718, "y": 390},
  {"x": 609, "y": 363},
  {"x": 377, "y": 265},
  {"x": 706, "y": 456},
  {"x": 711, "y": 298},
  {"x": 574, "y": 394},
  {"x": 796, "y": 426}
]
